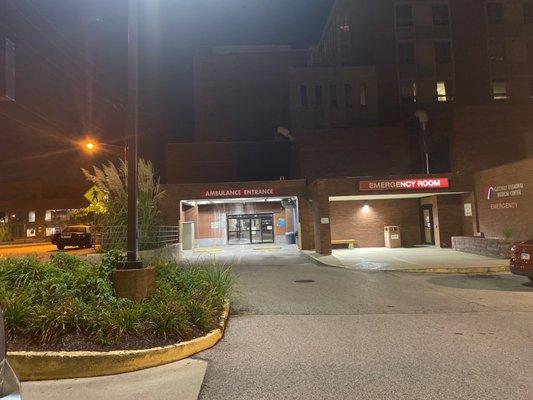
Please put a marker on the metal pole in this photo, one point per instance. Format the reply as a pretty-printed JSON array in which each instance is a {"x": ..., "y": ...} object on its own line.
[{"x": 132, "y": 129}]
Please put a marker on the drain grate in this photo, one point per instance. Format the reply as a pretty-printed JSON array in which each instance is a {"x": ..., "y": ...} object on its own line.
[{"x": 304, "y": 281}]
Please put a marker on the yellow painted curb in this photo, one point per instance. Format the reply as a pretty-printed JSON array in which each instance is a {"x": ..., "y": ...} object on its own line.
[
  {"x": 453, "y": 270},
  {"x": 206, "y": 250},
  {"x": 37, "y": 366},
  {"x": 272, "y": 247}
]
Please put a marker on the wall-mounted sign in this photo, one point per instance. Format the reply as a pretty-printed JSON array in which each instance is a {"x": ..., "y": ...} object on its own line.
[
  {"x": 503, "y": 191},
  {"x": 468, "y": 209},
  {"x": 404, "y": 184},
  {"x": 324, "y": 221},
  {"x": 251, "y": 192}
]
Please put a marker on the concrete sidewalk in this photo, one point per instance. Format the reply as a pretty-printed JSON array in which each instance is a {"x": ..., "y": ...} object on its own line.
[
  {"x": 180, "y": 380},
  {"x": 418, "y": 259}
]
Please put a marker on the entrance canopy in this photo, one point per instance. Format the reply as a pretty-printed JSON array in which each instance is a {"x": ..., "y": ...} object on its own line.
[{"x": 389, "y": 196}]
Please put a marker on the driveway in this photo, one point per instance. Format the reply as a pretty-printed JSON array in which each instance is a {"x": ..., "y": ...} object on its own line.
[
  {"x": 40, "y": 250},
  {"x": 303, "y": 331}
]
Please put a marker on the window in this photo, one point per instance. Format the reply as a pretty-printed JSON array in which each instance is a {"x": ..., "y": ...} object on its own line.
[
  {"x": 404, "y": 15},
  {"x": 362, "y": 95},
  {"x": 443, "y": 53},
  {"x": 528, "y": 12},
  {"x": 441, "y": 15},
  {"x": 444, "y": 91},
  {"x": 333, "y": 95},
  {"x": 48, "y": 215},
  {"x": 406, "y": 54},
  {"x": 499, "y": 90},
  {"x": 303, "y": 96},
  {"x": 318, "y": 96},
  {"x": 408, "y": 92},
  {"x": 348, "y": 95},
  {"x": 497, "y": 52},
  {"x": 495, "y": 13},
  {"x": 31, "y": 216},
  {"x": 531, "y": 88}
]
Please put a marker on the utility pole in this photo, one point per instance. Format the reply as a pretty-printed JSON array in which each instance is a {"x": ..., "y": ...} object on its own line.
[{"x": 132, "y": 134}]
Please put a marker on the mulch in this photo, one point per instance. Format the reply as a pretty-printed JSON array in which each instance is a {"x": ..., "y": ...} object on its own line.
[{"x": 81, "y": 342}]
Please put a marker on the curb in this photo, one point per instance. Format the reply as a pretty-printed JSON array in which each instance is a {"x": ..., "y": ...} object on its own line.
[
  {"x": 443, "y": 270},
  {"x": 38, "y": 366}
]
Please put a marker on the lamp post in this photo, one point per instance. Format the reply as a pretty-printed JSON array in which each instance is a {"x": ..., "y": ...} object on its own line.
[{"x": 131, "y": 135}]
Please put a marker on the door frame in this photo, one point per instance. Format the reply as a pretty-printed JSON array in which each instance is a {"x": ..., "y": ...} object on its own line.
[
  {"x": 249, "y": 217},
  {"x": 422, "y": 226}
]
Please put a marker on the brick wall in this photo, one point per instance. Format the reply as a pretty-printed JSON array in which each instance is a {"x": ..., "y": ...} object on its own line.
[
  {"x": 514, "y": 212},
  {"x": 489, "y": 136},
  {"x": 351, "y": 220}
]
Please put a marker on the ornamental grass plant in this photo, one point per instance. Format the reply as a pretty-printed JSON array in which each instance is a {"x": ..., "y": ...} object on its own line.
[{"x": 67, "y": 303}]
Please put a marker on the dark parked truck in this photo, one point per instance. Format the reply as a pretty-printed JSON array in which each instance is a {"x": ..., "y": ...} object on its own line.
[
  {"x": 522, "y": 259},
  {"x": 9, "y": 383},
  {"x": 76, "y": 236}
]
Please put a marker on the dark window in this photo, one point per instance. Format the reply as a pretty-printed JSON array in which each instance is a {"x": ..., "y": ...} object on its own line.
[
  {"x": 318, "y": 96},
  {"x": 348, "y": 95},
  {"x": 408, "y": 92},
  {"x": 406, "y": 54},
  {"x": 443, "y": 52},
  {"x": 528, "y": 12},
  {"x": 529, "y": 51},
  {"x": 303, "y": 96},
  {"x": 531, "y": 88},
  {"x": 497, "y": 52},
  {"x": 500, "y": 90},
  {"x": 495, "y": 13},
  {"x": 441, "y": 15},
  {"x": 404, "y": 15},
  {"x": 333, "y": 95},
  {"x": 362, "y": 95}
]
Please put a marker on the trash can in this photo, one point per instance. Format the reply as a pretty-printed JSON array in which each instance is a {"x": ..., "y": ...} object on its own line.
[
  {"x": 393, "y": 237},
  {"x": 290, "y": 237}
]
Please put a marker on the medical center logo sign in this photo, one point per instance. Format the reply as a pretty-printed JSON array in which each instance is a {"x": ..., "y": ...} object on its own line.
[{"x": 504, "y": 197}]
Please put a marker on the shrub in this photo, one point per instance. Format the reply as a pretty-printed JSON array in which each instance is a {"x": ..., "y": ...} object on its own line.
[
  {"x": 45, "y": 301},
  {"x": 507, "y": 233}
]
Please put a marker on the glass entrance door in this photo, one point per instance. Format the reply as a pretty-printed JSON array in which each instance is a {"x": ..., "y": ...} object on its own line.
[
  {"x": 428, "y": 234},
  {"x": 250, "y": 228}
]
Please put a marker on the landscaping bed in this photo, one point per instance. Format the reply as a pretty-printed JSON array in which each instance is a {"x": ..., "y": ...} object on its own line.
[{"x": 67, "y": 304}]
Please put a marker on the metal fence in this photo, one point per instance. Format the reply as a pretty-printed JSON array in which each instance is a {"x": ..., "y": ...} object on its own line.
[{"x": 115, "y": 237}]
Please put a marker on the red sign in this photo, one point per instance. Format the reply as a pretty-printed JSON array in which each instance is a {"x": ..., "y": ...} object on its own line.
[
  {"x": 405, "y": 184},
  {"x": 251, "y": 192}
]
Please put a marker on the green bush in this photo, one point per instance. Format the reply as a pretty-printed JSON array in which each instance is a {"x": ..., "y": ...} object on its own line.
[{"x": 44, "y": 301}]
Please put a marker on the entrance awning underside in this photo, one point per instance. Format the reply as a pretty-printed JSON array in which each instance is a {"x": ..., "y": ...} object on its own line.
[{"x": 389, "y": 196}]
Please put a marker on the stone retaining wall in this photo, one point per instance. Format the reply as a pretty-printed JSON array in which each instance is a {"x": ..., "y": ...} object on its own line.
[{"x": 499, "y": 248}]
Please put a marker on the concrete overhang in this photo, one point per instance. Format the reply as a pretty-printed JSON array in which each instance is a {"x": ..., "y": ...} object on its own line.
[{"x": 389, "y": 196}]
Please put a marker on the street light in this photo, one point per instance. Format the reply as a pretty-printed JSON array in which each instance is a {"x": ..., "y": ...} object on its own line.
[{"x": 92, "y": 147}]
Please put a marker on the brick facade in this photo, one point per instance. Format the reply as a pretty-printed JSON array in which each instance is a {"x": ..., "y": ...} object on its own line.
[
  {"x": 364, "y": 224},
  {"x": 511, "y": 205}
]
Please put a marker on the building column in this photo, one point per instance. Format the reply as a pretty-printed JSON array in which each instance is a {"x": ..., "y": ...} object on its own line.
[{"x": 321, "y": 217}]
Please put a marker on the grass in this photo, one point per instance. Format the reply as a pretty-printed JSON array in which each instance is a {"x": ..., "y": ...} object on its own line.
[{"x": 46, "y": 302}]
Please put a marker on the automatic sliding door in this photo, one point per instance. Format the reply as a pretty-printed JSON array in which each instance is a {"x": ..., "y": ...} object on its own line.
[{"x": 246, "y": 229}]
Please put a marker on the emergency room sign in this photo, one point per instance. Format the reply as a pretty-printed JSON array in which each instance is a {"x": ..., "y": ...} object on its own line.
[
  {"x": 404, "y": 184},
  {"x": 248, "y": 192}
]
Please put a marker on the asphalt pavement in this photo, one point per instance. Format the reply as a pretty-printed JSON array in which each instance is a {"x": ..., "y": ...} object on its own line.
[{"x": 304, "y": 331}]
